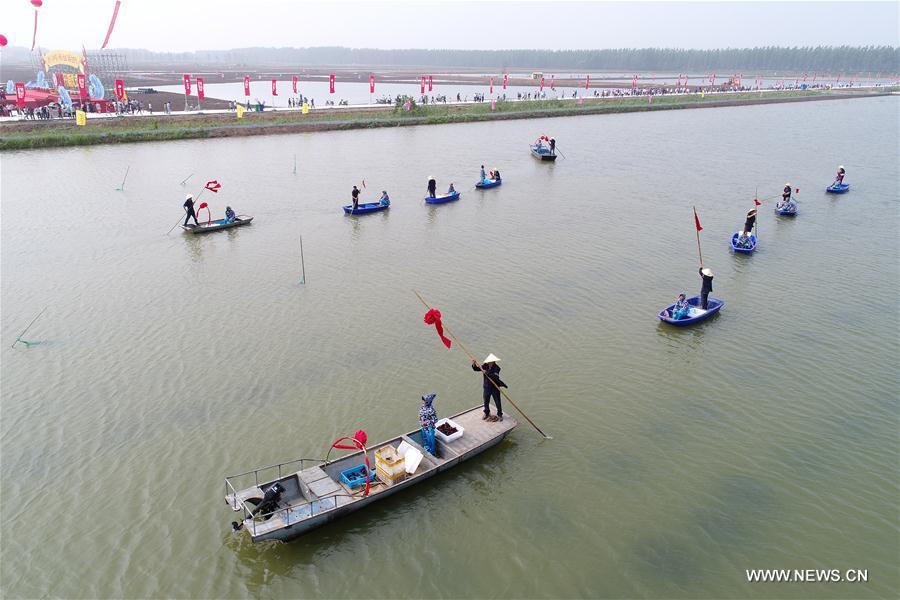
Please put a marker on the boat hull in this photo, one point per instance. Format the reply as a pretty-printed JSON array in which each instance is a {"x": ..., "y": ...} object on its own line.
[
  {"x": 217, "y": 225},
  {"x": 443, "y": 199},
  {"x": 838, "y": 188},
  {"x": 714, "y": 304},
  {"x": 740, "y": 249},
  {"x": 543, "y": 156},
  {"x": 490, "y": 183},
  {"x": 364, "y": 209}
]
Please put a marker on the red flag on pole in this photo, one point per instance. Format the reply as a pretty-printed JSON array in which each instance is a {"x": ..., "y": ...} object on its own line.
[
  {"x": 213, "y": 186},
  {"x": 120, "y": 89},
  {"x": 542, "y": 83},
  {"x": 294, "y": 83},
  {"x": 372, "y": 83},
  {"x": 247, "y": 85},
  {"x": 187, "y": 84},
  {"x": 112, "y": 24},
  {"x": 505, "y": 79},
  {"x": 757, "y": 202},
  {"x": 430, "y": 83},
  {"x": 433, "y": 317},
  {"x": 422, "y": 86},
  {"x": 274, "y": 87},
  {"x": 200, "y": 94},
  {"x": 20, "y": 95},
  {"x": 697, "y": 221},
  {"x": 82, "y": 86},
  {"x": 331, "y": 83}
]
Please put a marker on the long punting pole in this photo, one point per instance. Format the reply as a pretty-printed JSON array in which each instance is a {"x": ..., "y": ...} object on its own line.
[
  {"x": 755, "y": 200},
  {"x": 700, "y": 252},
  {"x": 122, "y": 187},
  {"x": 472, "y": 357},
  {"x": 302, "y": 264},
  {"x": 24, "y": 331}
]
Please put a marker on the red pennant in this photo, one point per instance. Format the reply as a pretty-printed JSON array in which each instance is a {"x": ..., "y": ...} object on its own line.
[
  {"x": 247, "y": 85},
  {"x": 433, "y": 317},
  {"x": 697, "y": 221},
  {"x": 757, "y": 202}
]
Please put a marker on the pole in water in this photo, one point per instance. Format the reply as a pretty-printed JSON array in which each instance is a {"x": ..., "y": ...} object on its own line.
[
  {"x": 295, "y": 164},
  {"x": 122, "y": 187},
  {"x": 186, "y": 178},
  {"x": 24, "y": 331},
  {"x": 302, "y": 264}
]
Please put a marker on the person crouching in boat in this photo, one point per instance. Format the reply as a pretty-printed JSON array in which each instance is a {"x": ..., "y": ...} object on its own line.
[
  {"x": 432, "y": 187},
  {"x": 681, "y": 308},
  {"x": 706, "y": 274},
  {"x": 189, "y": 209},
  {"x": 354, "y": 193},
  {"x": 483, "y": 175},
  {"x": 744, "y": 238},
  {"x": 839, "y": 179},
  {"x": 451, "y": 190},
  {"x": 427, "y": 420},
  {"x": 495, "y": 175},
  {"x": 229, "y": 215},
  {"x": 491, "y": 375},
  {"x": 384, "y": 200},
  {"x": 786, "y": 201}
]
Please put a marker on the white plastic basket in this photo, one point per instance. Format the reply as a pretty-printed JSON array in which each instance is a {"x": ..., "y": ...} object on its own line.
[{"x": 448, "y": 438}]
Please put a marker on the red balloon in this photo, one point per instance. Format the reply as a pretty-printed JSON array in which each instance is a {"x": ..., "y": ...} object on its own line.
[
  {"x": 37, "y": 3},
  {"x": 3, "y": 40}
]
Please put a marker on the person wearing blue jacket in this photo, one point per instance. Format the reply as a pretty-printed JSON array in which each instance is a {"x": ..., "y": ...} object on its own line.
[{"x": 491, "y": 386}]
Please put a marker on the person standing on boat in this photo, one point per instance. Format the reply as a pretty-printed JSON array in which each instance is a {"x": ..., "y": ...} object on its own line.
[
  {"x": 355, "y": 194},
  {"x": 744, "y": 238},
  {"x": 839, "y": 179},
  {"x": 552, "y": 146},
  {"x": 189, "y": 209},
  {"x": 427, "y": 420},
  {"x": 706, "y": 274},
  {"x": 385, "y": 200},
  {"x": 432, "y": 187},
  {"x": 490, "y": 371},
  {"x": 483, "y": 175}
]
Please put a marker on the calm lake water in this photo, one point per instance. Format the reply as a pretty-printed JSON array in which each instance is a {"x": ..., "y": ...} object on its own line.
[{"x": 764, "y": 438}]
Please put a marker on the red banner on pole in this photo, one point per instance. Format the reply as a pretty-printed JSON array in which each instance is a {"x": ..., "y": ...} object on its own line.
[
  {"x": 697, "y": 221},
  {"x": 542, "y": 83},
  {"x": 82, "y": 86},
  {"x": 120, "y": 89},
  {"x": 372, "y": 83},
  {"x": 20, "y": 95},
  {"x": 246, "y": 85},
  {"x": 274, "y": 87},
  {"x": 294, "y": 83},
  {"x": 331, "y": 83},
  {"x": 430, "y": 83},
  {"x": 187, "y": 85},
  {"x": 422, "y": 85},
  {"x": 587, "y": 82},
  {"x": 200, "y": 94},
  {"x": 505, "y": 79}
]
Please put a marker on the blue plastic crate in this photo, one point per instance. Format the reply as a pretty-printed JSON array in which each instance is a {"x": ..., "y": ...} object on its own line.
[{"x": 356, "y": 476}]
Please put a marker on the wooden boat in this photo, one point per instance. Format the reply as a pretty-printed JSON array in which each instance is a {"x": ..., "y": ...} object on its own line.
[
  {"x": 696, "y": 314},
  {"x": 488, "y": 183},
  {"x": 790, "y": 211},
  {"x": 543, "y": 153},
  {"x": 737, "y": 248},
  {"x": 838, "y": 188},
  {"x": 364, "y": 209},
  {"x": 441, "y": 199},
  {"x": 314, "y": 493},
  {"x": 218, "y": 225}
]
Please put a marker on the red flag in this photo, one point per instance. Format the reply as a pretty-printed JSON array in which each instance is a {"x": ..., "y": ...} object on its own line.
[
  {"x": 492, "y": 85},
  {"x": 274, "y": 88},
  {"x": 187, "y": 84},
  {"x": 82, "y": 86},
  {"x": 757, "y": 202},
  {"x": 294, "y": 82},
  {"x": 505, "y": 79},
  {"x": 433, "y": 317},
  {"x": 587, "y": 83},
  {"x": 422, "y": 86},
  {"x": 331, "y": 83},
  {"x": 247, "y": 85},
  {"x": 200, "y": 94},
  {"x": 213, "y": 186},
  {"x": 542, "y": 83},
  {"x": 372, "y": 83},
  {"x": 112, "y": 24},
  {"x": 120, "y": 89},
  {"x": 20, "y": 95},
  {"x": 430, "y": 83},
  {"x": 697, "y": 221}
]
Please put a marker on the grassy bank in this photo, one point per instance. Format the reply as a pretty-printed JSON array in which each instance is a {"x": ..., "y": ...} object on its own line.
[{"x": 46, "y": 134}]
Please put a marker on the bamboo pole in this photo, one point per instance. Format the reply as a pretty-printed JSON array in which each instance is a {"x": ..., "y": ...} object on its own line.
[
  {"x": 700, "y": 252},
  {"x": 474, "y": 360},
  {"x": 24, "y": 331},
  {"x": 302, "y": 264}
]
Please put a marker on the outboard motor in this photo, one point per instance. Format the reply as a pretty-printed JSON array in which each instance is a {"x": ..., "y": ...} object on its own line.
[{"x": 269, "y": 504}]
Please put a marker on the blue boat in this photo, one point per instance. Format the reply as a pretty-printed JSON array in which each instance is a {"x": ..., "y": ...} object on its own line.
[
  {"x": 745, "y": 249},
  {"x": 696, "y": 314},
  {"x": 442, "y": 199},
  {"x": 488, "y": 183},
  {"x": 364, "y": 209},
  {"x": 838, "y": 188},
  {"x": 789, "y": 211},
  {"x": 542, "y": 152}
]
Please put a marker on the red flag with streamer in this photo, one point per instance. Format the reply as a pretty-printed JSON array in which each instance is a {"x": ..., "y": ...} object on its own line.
[
  {"x": 430, "y": 83},
  {"x": 213, "y": 186},
  {"x": 112, "y": 23},
  {"x": 697, "y": 221},
  {"x": 200, "y": 94},
  {"x": 246, "y": 85},
  {"x": 187, "y": 84},
  {"x": 331, "y": 83},
  {"x": 372, "y": 83},
  {"x": 294, "y": 83},
  {"x": 433, "y": 317}
]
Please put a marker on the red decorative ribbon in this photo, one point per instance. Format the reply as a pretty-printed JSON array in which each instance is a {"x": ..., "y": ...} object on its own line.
[
  {"x": 112, "y": 23},
  {"x": 433, "y": 317}
]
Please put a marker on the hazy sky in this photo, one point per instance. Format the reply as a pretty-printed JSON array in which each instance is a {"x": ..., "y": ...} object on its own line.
[{"x": 179, "y": 25}]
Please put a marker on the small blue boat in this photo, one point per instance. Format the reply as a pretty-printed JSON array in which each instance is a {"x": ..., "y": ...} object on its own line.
[
  {"x": 745, "y": 249},
  {"x": 789, "y": 211},
  {"x": 442, "y": 199},
  {"x": 542, "y": 152},
  {"x": 838, "y": 188},
  {"x": 364, "y": 209},
  {"x": 696, "y": 314},
  {"x": 488, "y": 183}
]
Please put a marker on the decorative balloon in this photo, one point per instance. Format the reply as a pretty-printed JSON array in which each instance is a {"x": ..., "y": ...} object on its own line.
[
  {"x": 3, "y": 40},
  {"x": 37, "y": 3}
]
